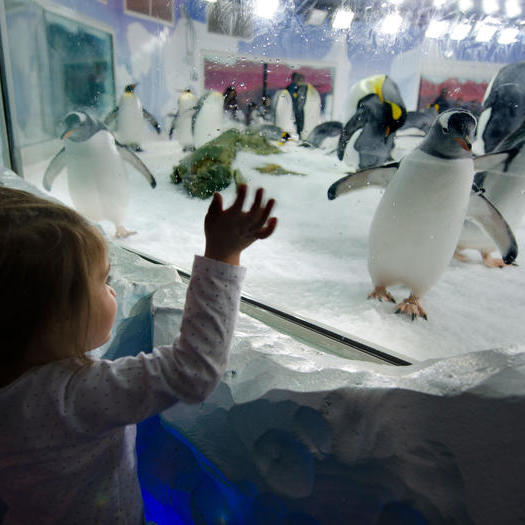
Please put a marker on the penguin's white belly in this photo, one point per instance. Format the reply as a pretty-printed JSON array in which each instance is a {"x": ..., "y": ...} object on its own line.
[
  {"x": 478, "y": 148},
  {"x": 97, "y": 179},
  {"x": 183, "y": 128},
  {"x": 209, "y": 120},
  {"x": 283, "y": 111},
  {"x": 311, "y": 110},
  {"x": 417, "y": 224},
  {"x": 130, "y": 128},
  {"x": 351, "y": 155}
]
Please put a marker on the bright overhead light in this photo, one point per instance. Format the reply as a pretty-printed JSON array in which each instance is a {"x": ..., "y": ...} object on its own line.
[
  {"x": 512, "y": 8},
  {"x": 508, "y": 35},
  {"x": 266, "y": 8},
  {"x": 436, "y": 29},
  {"x": 484, "y": 31},
  {"x": 439, "y": 3},
  {"x": 490, "y": 6},
  {"x": 391, "y": 24},
  {"x": 396, "y": 2},
  {"x": 342, "y": 19},
  {"x": 465, "y": 5},
  {"x": 460, "y": 31}
]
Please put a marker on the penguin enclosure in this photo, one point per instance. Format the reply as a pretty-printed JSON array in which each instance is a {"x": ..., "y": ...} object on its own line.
[
  {"x": 389, "y": 132},
  {"x": 354, "y": 85}
]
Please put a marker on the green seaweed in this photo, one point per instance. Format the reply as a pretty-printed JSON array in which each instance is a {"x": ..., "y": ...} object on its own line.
[
  {"x": 208, "y": 169},
  {"x": 276, "y": 169}
]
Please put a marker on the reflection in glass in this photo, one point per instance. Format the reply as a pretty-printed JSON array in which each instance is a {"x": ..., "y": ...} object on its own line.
[{"x": 439, "y": 55}]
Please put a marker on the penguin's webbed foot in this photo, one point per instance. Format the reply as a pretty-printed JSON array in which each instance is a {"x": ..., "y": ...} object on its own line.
[
  {"x": 381, "y": 293},
  {"x": 492, "y": 262},
  {"x": 122, "y": 232},
  {"x": 412, "y": 307},
  {"x": 460, "y": 256}
]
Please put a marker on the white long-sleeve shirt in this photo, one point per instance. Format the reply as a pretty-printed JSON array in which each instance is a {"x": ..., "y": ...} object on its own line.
[{"x": 67, "y": 434}]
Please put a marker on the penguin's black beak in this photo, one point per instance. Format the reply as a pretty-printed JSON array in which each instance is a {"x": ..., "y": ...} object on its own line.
[{"x": 464, "y": 143}]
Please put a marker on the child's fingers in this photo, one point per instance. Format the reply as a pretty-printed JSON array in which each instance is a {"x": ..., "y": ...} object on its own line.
[
  {"x": 265, "y": 232},
  {"x": 257, "y": 201},
  {"x": 264, "y": 215},
  {"x": 216, "y": 203},
  {"x": 241, "y": 195}
]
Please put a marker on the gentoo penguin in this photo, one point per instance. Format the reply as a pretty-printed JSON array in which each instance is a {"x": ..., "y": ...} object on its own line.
[
  {"x": 366, "y": 139},
  {"x": 130, "y": 117},
  {"x": 325, "y": 135},
  {"x": 182, "y": 120},
  {"x": 503, "y": 107},
  {"x": 417, "y": 224},
  {"x": 208, "y": 119},
  {"x": 504, "y": 185},
  {"x": 96, "y": 176}
]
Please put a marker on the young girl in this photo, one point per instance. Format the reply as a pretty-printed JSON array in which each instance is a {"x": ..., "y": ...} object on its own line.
[{"x": 67, "y": 423}]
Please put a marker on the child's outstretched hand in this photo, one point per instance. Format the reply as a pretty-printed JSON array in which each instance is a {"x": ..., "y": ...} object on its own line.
[{"x": 229, "y": 232}]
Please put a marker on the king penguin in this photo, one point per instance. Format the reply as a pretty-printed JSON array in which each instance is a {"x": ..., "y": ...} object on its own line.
[
  {"x": 307, "y": 109},
  {"x": 417, "y": 223},
  {"x": 366, "y": 140},
  {"x": 130, "y": 117},
  {"x": 181, "y": 122},
  {"x": 96, "y": 176},
  {"x": 503, "y": 107},
  {"x": 208, "y": 118},
  {"x": 283, "y": 111}
]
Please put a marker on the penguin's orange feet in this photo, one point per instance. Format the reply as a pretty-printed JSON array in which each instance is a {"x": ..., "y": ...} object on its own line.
[
  {"x": 491, "y": 262},
  {"x": 460, "y": 256},
  {"x": 380, "y": 293},
  {"x": 122, "y": 232},
  {"x": 412, "y": 307}
]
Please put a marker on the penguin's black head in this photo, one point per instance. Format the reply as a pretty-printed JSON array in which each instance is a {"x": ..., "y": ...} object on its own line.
[
  {"x": 79, "y": 126},
  {"x": 451, "y": 135},
  {"x": 130, "y": 88}
]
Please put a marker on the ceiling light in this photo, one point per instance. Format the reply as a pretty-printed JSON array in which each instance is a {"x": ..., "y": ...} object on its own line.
[
  {"x": 484, "y": 31},
  {"x": 460, "y": 31},
  {"x": 465, "y": 5},
  {"x": 512, "y": 8},
  {"x": 439, "y": 3},
  {"x": 508, "y": 35},
  {"x": 490, "y": 6},
  {"x": 266, "y": 8},
  {"x": 391, "y": 24},
  {"x": 342, "y": 19},
  {"x": 436, "y": 29}
]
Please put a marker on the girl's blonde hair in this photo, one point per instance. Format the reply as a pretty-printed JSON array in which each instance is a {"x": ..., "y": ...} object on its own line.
[{"x": 47, "y": 256}]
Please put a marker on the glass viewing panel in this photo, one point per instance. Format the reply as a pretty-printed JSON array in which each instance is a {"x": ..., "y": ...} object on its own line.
[{"x": 328, "y": 87}]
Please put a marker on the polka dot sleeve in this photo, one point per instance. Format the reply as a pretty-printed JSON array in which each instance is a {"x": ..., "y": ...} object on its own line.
[{"x": 127, "y": 390}]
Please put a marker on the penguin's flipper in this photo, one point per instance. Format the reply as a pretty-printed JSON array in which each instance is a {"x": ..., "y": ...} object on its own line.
[
  {"x": 490, "y": 161},
  {"x": 482, "y": 212},
  {"x": 128, "y": 156},
  {"x": 111, "y": 116},
  {"x": 57, "y": 164},
  {"x": 377, "y": 176},
  {"x": 356, "y": 122},
  {"x": 151, "y": 119}
]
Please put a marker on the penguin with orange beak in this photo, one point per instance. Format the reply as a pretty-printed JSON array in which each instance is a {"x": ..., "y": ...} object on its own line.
[
  {"x": 96, "y": 176},
  {"x": 417, "y": 224}
]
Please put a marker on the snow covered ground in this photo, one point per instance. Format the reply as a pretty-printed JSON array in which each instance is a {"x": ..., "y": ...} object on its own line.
[{"x": 315, "y": 263}]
